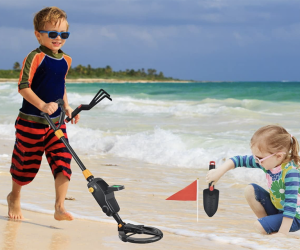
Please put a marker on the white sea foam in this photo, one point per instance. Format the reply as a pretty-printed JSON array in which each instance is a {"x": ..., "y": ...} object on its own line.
[
  {"x": 158, "y": 146},
  {"x": 4, "y": 86},
  {"x": 7, "y": 131}
]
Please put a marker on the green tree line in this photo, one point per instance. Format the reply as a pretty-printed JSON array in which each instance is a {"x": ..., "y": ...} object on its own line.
[{"x": 81, "y": 71}]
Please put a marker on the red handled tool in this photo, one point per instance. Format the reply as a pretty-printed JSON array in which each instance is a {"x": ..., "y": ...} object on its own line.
[{"x": 211, "y": 196}]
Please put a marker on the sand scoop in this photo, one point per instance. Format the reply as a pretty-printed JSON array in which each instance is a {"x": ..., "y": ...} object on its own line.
[{"x": 102, "y": 192}]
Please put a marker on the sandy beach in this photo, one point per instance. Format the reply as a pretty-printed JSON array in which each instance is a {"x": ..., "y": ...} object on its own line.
[{"x": 41, "y": 231}]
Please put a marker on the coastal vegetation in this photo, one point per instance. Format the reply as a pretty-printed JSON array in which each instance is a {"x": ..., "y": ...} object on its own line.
[{"x": 81, "y": 71}]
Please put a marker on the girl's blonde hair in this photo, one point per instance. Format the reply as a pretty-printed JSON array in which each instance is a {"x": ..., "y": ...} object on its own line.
[
  {"x": 273, "y": 139},
  {"x": 48, "y": 14}
]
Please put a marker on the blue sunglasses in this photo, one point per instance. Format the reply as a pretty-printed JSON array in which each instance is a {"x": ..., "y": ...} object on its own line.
[{"x": 54, "y": 34}]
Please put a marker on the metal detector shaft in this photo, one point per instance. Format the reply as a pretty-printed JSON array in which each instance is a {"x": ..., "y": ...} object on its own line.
[{"x": 63, "y": 139}]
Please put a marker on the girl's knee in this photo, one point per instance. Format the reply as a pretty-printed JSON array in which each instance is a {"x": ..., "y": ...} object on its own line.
[
  {"x": 249, "y": 192},
  {"x": 259, "y": 228}
]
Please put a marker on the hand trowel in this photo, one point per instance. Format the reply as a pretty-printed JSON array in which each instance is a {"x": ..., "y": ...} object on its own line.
[{"x": 211, "y": 196}]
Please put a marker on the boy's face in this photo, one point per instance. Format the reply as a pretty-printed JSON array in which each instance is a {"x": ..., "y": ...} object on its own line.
[{"x": 56, "y": 43}]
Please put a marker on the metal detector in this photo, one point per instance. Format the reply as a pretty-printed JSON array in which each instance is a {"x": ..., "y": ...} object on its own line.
[{"x": 102, "y": 192}]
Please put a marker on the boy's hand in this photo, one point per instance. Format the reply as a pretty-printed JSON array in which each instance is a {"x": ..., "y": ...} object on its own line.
[
  {"x": 69, "y": 111},
  {"x": 213, "y": 175},
  {"x": 50, "y": 108}
]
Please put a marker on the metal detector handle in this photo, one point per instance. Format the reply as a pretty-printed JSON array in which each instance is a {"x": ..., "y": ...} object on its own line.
[
  {"x": 60, "y": 103},
  {"x": 212, "y": 165}
]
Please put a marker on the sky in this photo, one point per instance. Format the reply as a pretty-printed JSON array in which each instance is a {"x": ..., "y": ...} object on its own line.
[{"x": 205, "y": 40}]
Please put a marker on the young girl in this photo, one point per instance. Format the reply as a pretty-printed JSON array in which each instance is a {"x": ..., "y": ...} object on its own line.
[{"x": 274, "y": 151}]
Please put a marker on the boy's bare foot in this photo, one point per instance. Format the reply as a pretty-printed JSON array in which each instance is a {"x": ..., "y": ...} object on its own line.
[
  {"x": 62, "y": 214},
  {"x": 14, "y": 207}
]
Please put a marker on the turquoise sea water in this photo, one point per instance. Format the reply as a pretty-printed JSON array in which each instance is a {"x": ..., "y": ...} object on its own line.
[
  {"x": 177, "y": 124},
  {"x": 267, "y": 91}
]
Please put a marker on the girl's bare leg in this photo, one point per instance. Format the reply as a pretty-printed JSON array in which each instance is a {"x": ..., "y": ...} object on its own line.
[{"x": 256, "y": 207}]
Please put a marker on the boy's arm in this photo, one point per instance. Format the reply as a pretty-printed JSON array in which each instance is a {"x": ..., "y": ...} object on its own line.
[
  {"x": 68, "y": 109},
  {"x": 65, "y": 98},
  {"x": 32, "y": 98}
]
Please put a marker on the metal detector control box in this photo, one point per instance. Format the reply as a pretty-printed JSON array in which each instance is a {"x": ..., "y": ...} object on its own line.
[{"x": 104, "y": 195}]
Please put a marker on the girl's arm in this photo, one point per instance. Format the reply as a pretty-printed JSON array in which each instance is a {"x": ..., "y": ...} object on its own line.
[
  {"x": 32, "y": 98},
  {"x": 68, "y": 109},
  {"x": 285, "y": 225},
  {"x": 291, "y": 181},
  {"x": 214, "y": 175}
]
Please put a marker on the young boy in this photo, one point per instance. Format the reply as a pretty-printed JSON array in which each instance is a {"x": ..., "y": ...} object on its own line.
[{"x": 41, "y": 83}]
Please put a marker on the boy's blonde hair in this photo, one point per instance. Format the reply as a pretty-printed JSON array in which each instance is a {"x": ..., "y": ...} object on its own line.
[
  {"x": 49, "y": 14},
  {"x": 273, "y": 139}
]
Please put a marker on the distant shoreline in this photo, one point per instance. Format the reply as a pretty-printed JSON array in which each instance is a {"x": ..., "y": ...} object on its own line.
[{"x": 102, "y": 80}]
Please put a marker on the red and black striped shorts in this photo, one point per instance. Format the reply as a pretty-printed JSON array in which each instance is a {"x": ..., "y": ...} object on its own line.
[{"x": 32, "y": 139}]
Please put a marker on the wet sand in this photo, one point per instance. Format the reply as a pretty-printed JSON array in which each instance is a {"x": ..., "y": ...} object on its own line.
[{"x": 41, "y": 231}]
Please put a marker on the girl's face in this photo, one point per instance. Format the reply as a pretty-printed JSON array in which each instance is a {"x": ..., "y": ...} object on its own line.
[{"x": 271, "y": 161}]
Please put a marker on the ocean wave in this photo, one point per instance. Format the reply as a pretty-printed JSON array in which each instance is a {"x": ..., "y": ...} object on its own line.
[
  {"x": 205, "y": 107},
  {"x": 124, "y": 105},
  {"x": 178, "y": 108},
  {"x": 158, "y": 146}
]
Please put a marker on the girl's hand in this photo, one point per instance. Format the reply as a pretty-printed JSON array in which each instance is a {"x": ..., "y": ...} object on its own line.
[
  {"x": 276, "y": 235},
  {"x": 69, "y": 111},
  {"x": 213, "y": 175}
]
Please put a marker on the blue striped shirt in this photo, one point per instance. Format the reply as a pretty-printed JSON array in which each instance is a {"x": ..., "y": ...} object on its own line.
[{"x": 283, "y": 183}]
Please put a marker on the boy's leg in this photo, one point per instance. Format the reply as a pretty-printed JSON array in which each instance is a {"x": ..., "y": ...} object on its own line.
[
  {"x": 61, "y": 188},
  {"x": 14, "y": 202},
  {"x": 25, "y": 163},
  {"x": 59, "y": 160}
]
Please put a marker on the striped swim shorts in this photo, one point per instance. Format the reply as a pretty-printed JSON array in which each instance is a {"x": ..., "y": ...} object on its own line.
[{"x": 32, "y": 139}]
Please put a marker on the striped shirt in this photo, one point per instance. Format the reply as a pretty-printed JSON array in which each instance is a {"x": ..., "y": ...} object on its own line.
[
  {"x": 44, "y": 72},
  {"x": 283, "y": 183}
]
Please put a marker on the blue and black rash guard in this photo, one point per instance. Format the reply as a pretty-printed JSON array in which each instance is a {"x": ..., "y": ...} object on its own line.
[{"x": 44, "y": 72}]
